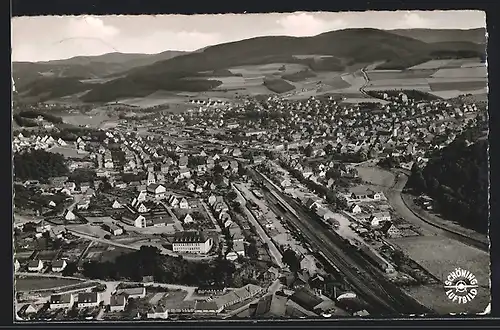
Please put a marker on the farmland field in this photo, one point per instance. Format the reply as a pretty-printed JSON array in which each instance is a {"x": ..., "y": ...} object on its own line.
[
  {"x": 462, "y": 72},
  {"x": 457, "y": 85},
  {"x": 40, "y": 283}
]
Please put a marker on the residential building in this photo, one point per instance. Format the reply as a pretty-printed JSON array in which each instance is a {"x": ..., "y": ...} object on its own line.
[
  {"x": 192, "y": 242},
  {"x": 140, "y": 222},
  {"x": 134, "y": 293},
  {"x": 156, "y": 191}
]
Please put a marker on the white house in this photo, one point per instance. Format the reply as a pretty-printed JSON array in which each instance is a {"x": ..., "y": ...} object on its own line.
[
  {"x": 35, "y": 265},
  {"x": 355, "y": 209},
  {"x": 156, "y": 191},
  {"x": 58, "y": 301},
  {"x": 184, "y": 204},
  {"x": 192, "y": 242},
  {"x": 378, "y": 217},
  {"x": 157, "y": 312},
  {"x": 70, "y": 216},
  {"x": 188, "y": 219},
  {"x": 59, "y": 265},
  {"x": 117, "y": 205}
]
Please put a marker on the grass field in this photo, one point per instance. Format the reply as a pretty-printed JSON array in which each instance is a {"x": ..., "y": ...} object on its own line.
[
  {"x": 441, "y": 255},
  {"x": 41, "y": 283},
  {"x": 67, "y": 152}
]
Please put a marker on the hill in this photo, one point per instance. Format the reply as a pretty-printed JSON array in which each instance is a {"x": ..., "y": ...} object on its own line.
[
  {"x": 85, "y": 67},
  {"x": 344, "y": 47},
  {"x": 457, "y": 178},
  {"x": 477, "y": 36},
  {"x": 338, "y": 50}
]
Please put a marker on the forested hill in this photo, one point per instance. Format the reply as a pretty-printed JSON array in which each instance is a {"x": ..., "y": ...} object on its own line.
[{"x": 457, "y": 179}]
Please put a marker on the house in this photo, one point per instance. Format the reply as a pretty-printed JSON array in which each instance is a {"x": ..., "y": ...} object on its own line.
[
  {"x": 151, "y": 178},
  {"x": 59, "y": 265},
  {"x": 113, "y": 229},
  {"x": 355, "y": 209},
  {"x": 183, "y": 162},
  {"x": 35, "y": 265},
  {"x": 192, "y": 242},
  {"x": 184, "y": 204},
  {"x": 134, "y": 293},
  {"x": 378, "y": 217},
  {"x": 58, "y": 301},
  {"x": 311, "y": 204},
  {"x": 17, "y": 265},
  {"x": 140, "y": 222},
  {"x": 237, "y": 152},
  {"x": 156, "y": 191},
  {"x": 89, "y": 299},
  {"x": 28, "y": 309},
  {"x": 157, "y": 312},
  {"x": 83, "y": 204},
  {"x": 391, "y": 231},
  {"x": 188, "y": 219},
  {"x": 117, "y": 303}
]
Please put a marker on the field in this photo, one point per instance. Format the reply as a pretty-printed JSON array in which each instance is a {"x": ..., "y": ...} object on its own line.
[
  {"x": 376, "y": 176},
  {"x": 67, "y": 152},
  {"x": 83, "y": 120},
  {"x": 443, "y": 78},
  {"x": 41, "y": 283}
]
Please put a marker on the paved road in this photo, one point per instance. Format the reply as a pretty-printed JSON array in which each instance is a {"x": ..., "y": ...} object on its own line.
[
  {"x": 273, "y": 250},
  {"x": 430, "y": 228},
  {"x": 372, "y": 286}
]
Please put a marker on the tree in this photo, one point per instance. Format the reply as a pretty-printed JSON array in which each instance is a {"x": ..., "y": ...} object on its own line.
[
  {"x": 70, "y": 269},
  {"x": 218, "y": 169},
  {"x": 329, "y": 149},
  {"x": 232, "y": 195}
]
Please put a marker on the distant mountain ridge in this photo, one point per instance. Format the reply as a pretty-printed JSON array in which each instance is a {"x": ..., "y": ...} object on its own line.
[{"x": 343, "y": 48}]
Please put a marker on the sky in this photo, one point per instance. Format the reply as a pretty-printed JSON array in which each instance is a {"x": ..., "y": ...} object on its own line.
[{"x": 58, "y": 37}]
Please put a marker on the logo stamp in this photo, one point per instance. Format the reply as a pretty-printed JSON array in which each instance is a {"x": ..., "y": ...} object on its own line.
[{"x": 461, "y": 286}]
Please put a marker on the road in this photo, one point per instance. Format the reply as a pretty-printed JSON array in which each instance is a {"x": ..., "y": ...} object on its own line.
[
  {"x": 431, "y": 228},
  {"x": 372, "y": 286},
  {"x": 273, "y": 250}
]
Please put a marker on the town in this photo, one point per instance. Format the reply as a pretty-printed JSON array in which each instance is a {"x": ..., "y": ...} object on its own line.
[{"x": 257, "y": 207}]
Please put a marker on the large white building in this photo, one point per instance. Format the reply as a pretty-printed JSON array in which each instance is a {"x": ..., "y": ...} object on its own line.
[{"x": 192, "y": 242}]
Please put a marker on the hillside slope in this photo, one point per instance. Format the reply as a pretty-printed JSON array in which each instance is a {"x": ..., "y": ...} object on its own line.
[{"x": 85, "y": 67}]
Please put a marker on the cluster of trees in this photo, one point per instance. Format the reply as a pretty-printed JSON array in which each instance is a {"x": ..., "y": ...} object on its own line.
[
  {"x": 457, "y": 179},
  {"x": 166, "y": 269},
  {"x": 24, "y": 122},
  {"x": 82, "y": 175},
  {"x": 39, "y": 165}
]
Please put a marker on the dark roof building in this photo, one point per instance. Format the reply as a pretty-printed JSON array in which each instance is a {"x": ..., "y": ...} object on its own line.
[{"x": 190, "y": 237}]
